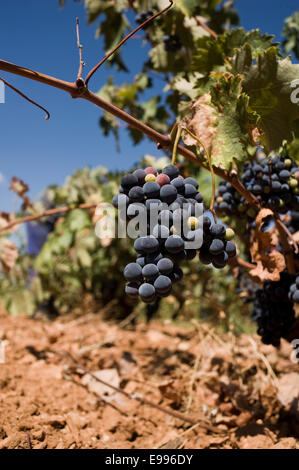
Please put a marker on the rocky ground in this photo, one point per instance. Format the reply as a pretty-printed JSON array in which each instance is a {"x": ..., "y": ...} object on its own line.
[{"x": 174, "y": 387}]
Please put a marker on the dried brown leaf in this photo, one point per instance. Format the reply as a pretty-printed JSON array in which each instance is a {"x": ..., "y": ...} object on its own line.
[
  {"x": 18, "y": 186},
  {"x": 202, "y": 122},
  {"x": 269, "y": 261},
  {"x": 167, "y": 390},
  {"x": 8, "y": 254},
  {"x": 6, "y": 219}
]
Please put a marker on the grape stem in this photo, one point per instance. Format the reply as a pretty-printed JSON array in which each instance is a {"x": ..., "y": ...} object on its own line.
[
  {"x": 206, "y": 27},
  {"x": 26, "y": 97},
  {"x": 80, "y": 47},
  {"x": 284, "y": 227},
  {"x": 285, "y": 246},
  {"x": 211, "y": 169},
  {"x": 269, "y": 172},
  {"x": 178, "y": 130}
]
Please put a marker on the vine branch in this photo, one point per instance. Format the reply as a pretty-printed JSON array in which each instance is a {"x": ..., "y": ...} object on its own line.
[
  {"x": 40, "y": 215},
  {"x": 163, "y": 140},
  {"x": 80, "y": 48},
  {"x": 205, "y": 27}
]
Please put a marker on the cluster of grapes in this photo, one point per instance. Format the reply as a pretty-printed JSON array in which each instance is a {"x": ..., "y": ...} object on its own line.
[
  {"x": 165, "y": 244},
  {"x": 143, "y": 16},
  {"x": 273, "y": 311},
  {"x": 294, "y": 291},
  {"x": 172, "y": 43},
  {"x": 274, "y": 183}
]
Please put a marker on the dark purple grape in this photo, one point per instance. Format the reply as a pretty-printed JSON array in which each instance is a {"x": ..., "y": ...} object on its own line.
[
  {"x": 165, "y": 266},
  {"x": 174, "y": 244},
  {"x": 150, "y": 272},
  {"x": 162, "y": 284},
  {"x": 133, "y": 272},
  {"x": 147, "y": 292},
  {"x": 172, "y": 171},
  {"x": 168, "y": 193},
  {"x": 131, "y": 290}
]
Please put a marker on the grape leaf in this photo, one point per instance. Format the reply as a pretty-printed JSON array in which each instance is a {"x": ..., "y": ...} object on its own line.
[
  {"x": 291, "y": 33},
  {"x": 184, "y": 86},
  {"x": 293, "y": 150},
  {"x": 268, "y": 83},
  {"x": 213, "y": 52},
  {"x": 8, "y": 254},
  {"x": 96, "y": 7},
  {"x": 220, "y": 120},
  {"x": 187, "y": 7}
]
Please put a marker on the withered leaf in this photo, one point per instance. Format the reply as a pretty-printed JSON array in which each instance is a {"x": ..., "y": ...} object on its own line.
[
  {"x": 269, "y": 261},
  {"x": 18, "y": 186},
  {"x": 8, "y": 254}
]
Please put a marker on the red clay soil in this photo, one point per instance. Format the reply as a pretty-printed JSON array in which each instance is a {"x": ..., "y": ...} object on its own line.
[{"x": 228, "y": 392}]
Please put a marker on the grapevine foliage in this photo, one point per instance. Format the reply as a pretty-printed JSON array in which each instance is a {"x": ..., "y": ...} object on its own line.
[{"x": 230, "y": 92}]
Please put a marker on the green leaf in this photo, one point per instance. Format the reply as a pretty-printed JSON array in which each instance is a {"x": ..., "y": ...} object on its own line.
[
  {"x": 220, "y": 121},
  {"x": 78, "y": 220},
  {"x": 186, "y": 86},
  {"x": 293, "y": 150},
  {"x": 212, "y": 53},
  {"x": 187, "y": 7},
  {"x": 231, "y": 138},
  {"x": 291, "y": 33},
  {"x": 94, "y": 9},
  {"x": 268, "y": 83},
  {"x": 84, "y": 258}
]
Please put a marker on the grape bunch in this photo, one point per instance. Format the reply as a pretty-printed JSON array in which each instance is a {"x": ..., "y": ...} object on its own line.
[
  {"x": 164, "y": 245},
  {"x": 143, "y": 16},
  {"x": 172, "y": 43},
  {"x": 294, "y": 291},
  {"x": 273, "y": 311},
  {"x": 274, "y": 183}
]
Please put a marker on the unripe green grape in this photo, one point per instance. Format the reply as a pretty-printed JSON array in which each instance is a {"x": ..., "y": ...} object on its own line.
[
  {"x": 251, "y": 212},
  {"x": 193, "y": 223},
  {"x": 229, "y": 234},
  {"x": 150, "y": 177},
  {"x": 287, "y": 162},
  {"x": 267, "y": 189},
  {"x": 241, "y": 207},
  {"x": 293, "y": 183}
]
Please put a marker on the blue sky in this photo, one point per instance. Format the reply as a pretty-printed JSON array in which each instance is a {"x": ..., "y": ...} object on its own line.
[{"x": 39, "y": 35}]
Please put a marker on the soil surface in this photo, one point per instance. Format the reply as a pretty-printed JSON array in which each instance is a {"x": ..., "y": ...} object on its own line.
[{"x": 174, "y": 387}]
